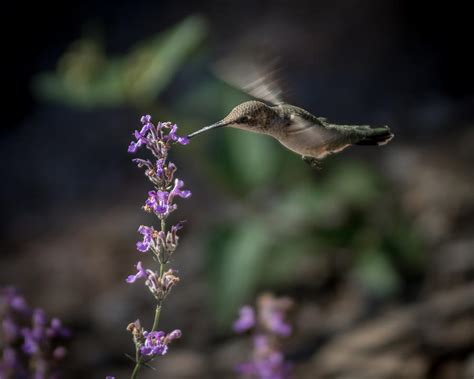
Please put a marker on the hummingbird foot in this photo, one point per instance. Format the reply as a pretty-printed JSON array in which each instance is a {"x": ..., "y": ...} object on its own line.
[{"x": 313, "y": 162}]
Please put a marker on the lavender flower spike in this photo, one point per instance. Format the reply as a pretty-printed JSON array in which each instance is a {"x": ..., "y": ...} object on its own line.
[{"x": 161, "y": 243}]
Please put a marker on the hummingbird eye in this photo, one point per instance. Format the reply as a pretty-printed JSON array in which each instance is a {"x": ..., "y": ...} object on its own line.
[{"x": 242, "y": 120}]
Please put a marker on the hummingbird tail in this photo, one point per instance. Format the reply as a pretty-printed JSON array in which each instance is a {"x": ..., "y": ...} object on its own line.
[{"x": 377, "y": 136}]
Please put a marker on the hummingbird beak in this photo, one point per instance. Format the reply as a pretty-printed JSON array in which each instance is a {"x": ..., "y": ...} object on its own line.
[{"x": 218, "y": 124}]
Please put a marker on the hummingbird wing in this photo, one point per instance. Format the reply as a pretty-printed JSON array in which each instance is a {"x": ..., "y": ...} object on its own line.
[
  {"x": 315, "y": 138},
  {"x": 257, "y": 81}
]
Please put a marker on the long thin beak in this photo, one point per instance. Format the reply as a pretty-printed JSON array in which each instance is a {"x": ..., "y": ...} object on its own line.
[{"x": 218, "y": 124}]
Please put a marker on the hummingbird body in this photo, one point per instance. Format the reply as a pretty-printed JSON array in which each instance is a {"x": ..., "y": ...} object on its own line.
[{"x": 299, "y": 130}]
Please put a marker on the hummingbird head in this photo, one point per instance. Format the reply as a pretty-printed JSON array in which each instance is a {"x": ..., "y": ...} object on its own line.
[{"x": 250, "y": 115}]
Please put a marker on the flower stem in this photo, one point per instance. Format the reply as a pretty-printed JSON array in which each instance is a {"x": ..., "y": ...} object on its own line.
[
  {"x": 156, "y": 319},
  {"x": 136, "y": 369}
]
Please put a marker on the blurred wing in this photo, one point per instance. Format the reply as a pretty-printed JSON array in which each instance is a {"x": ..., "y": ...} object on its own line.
[
  {"x": 312, "y": 139},
  {"x": 258, "y": 81}
]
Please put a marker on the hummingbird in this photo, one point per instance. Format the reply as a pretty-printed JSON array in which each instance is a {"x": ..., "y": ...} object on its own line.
[{"x": 297, "y": 129}]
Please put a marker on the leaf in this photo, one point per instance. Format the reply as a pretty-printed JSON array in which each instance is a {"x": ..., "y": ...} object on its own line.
[
  {"x": 377, "y": 273},
  {"x": 86, "y": 77},
  {"x": 237, "y": 270},
  {"x": 254, "y": 157}
]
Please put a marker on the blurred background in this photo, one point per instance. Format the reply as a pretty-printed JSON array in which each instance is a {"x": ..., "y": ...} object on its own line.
[{"x": 376, "y": 249}]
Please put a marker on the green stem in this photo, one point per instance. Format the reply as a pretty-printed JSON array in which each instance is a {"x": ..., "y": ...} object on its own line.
[
  {"x": 136, "y": 369},
  {"x": 156, "y": 320}
]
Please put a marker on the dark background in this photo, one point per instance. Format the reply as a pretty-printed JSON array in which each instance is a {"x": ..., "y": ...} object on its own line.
[{"x": 390, "y": 235}]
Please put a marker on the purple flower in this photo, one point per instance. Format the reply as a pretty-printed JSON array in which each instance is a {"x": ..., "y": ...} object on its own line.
[
  {"x": 149, "y": 133},
  {"x": 109, "y": 377},
  {"x": 160, "y": 169},
  {"x": 39, "y": 317},
  {"x": 147, "y": 233},
  {"x": 176, "y": 191},
  {"x": 56, "y": 329},
  {"x": 9, "y": 357},
  {"x": 161, "y": 202},
  {"x": 146, "y": 119},
  {"x": 142, "y": 135},
  {"x": 268, "y": 362},
  {"x": 173, "y": 137},
  {"x": 59, "y": 353},
  {"x": 158, "y": 201},
  {"x": 271, "y": 365},
  {"x": 175, "y": 334},
  {"x": 272, "y": 314},
  {"x": 141, "y": 273},
  {"x": 246, "y": 319},
  {"x": 30, "y": 345},
  {"x": 10, "y": 329},
  {"x": 18, "y": 303},
  {"x": 154, "y": 343},
  {"x": 277, "y": 325}
]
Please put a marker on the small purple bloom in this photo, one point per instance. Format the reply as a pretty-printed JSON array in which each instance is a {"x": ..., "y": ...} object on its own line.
[
  {"x": 140, "y": 136},
  {"x": 59, "y": 353},
  {"x": 146, "y": 119},
  {"x": 30, "y": 345},
  {"x": 154, "y": 344},
  {"x": 9, "y": 357},
  {"x": 39, "y": 317},
  {"x": 178, "y": 226},
  {"x": 246, "y": 319},
  {"x": 147, "y": 233},
  {"x": 160, "y": 170},
  {"x": 141, "y": 273},
  {"x": 277, "y": 324},
  {"x": 18, "y": 303},
  {"x": 173, "y": 137},
  {"x": 175, "y": 334},
  {"x": 56, "y": 329},
  {"x": 133, "y": 147},
  {"x": 159, "y": 202},
  {"x": 176, "y": 191},
  {"x": 10, "y": 329}
]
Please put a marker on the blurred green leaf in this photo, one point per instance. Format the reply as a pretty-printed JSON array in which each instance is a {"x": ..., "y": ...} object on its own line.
[
  {"x": 237, "y": 269},
  {"x": 86, "y": 77},
  {"x": 254, "y": 157},
  {"x": 377, "y": 273}
]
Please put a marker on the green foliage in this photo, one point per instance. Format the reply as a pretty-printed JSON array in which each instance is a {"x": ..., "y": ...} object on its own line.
[
  {"x": 86, "y": 77},
  {"x": 344, "y": 207},
  {"x": 235, "y": 264},
  {"x": 375, "y": 270}
]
